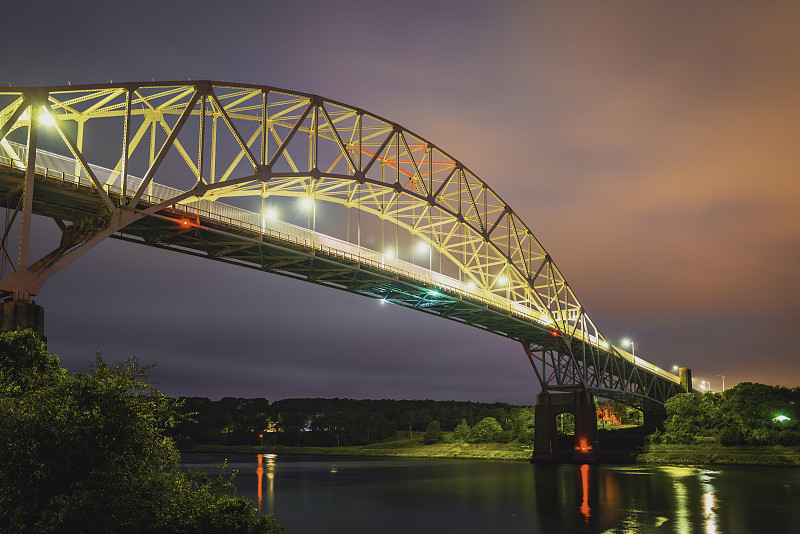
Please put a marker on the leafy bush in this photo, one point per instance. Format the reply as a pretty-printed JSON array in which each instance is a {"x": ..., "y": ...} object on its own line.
[
  {"x": 505, "y": 436},
  {"x": 88, "y": 453},
  {"x": 731, "y": 435},
  {"x": 789, "y": 438},
  {"x": 433, "y": 434},
  {"x": 485, "y": 431},
  {"x": 461, "y": 432},
  {"x": 678, "y": 438},
  {"x": 655, "y": 437}
]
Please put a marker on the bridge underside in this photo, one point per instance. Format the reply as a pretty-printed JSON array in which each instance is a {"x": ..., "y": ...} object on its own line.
[
  {"x": 496, "y": 275},
  {"x": 79, "y": 213}
]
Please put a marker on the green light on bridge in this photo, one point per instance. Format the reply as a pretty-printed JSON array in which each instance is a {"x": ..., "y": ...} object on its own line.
[{"x": 782, "y": 418}]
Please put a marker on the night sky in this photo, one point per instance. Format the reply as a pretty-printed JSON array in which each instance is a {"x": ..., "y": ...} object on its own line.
[{"x": 652, "y": 148}]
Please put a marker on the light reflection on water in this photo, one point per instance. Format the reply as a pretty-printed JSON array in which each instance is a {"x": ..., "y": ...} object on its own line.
[
  {"x": 390, "y": 495},
  {"x": 269, "y": 459}
]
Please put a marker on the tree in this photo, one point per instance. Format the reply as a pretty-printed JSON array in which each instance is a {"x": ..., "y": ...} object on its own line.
[
  {"x": 522, "y": 424},
  {"x": 88, "y": 453},
  {"x": 407, "y": 418},
  {"x": 461, "y": 432},
  {"x": 433, "y": 434},
  {"x": 486, "y": 430}
]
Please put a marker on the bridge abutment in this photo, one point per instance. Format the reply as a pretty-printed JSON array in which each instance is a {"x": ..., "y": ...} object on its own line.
[
  {"x": 685, "y": 375},
  {"x": 585, "y": 443},
  {"x": 21, "y": 315}
]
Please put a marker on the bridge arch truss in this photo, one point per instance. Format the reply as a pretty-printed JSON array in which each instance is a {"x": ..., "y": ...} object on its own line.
[{"x": 174, "y": 147}]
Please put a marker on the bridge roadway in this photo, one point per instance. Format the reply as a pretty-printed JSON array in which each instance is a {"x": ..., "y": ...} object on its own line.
[{"x": 219, "y": 231}]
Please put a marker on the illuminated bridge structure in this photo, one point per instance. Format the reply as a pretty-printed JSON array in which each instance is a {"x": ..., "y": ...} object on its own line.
[{"x": 221, "y": 170}]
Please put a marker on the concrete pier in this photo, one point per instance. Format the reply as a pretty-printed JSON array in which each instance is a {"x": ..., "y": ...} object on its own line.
[
  {"x": 21, "y": 315},
  {"x": 585, "y": 446}
]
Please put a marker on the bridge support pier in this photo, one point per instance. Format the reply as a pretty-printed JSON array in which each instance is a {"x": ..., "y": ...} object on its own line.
[
  {"x": 685, "y": 375},
  {"x": 21, "y": 315},
  {"x": 585, "y": 444},
  {"x": 654, "y": 418}
]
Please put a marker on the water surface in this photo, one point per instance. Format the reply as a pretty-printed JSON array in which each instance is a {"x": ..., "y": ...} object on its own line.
[{"x": 313, "y": 494}]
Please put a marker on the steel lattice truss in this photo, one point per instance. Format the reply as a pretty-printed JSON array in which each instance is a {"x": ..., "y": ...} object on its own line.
[{"x": 234, "y": 141}]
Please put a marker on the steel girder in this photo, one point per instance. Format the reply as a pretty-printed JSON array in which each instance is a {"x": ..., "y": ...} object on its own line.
[{"x": 270, "y": 143}]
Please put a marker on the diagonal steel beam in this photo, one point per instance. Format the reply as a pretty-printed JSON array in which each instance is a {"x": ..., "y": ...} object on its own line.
[{"x": 148, "y": 177}]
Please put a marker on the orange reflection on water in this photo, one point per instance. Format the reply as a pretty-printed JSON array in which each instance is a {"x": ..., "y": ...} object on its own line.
[
  {"x": 585, "y": 509},
  {"x": 260, "y": 475},
  {"x": 270, "y": 471}
]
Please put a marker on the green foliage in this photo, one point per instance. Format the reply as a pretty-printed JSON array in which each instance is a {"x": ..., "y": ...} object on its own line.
[
  {"x": 565, "y": 424},
  {"x": 335, "y": 422},
  {"x": 461, "y": 432},
  {"x": 521, "y": 424},
  {"x": 433, "y": 434},
  {"x": 730, "y": 436},
  {"x": 88, "y": 453},
  {"x": 486, "y": 430},
  {"x": 742, "y": 415}
]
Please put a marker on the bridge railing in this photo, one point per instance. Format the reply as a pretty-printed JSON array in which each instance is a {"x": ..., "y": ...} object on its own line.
[{"x": 58, "y": 167}]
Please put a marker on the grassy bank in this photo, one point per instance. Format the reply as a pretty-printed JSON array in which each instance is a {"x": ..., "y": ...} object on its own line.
[
  {"x": 403, "y": 448},
  {"x": 703, "y": 454},
  {"x": 712, "y": 454}
]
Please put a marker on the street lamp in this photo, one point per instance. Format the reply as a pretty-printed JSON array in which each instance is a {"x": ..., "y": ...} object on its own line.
[
  {"x": 627, "y": 342},
  {"x": 723, "y": 381},
  {"x": 501, "y": 281},
  {"x": 309, "y": 204},
  {"x": 422, "y": 246}
]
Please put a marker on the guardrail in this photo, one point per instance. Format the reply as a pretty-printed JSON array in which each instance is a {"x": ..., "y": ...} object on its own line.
[{"x": 291, "y": 234}]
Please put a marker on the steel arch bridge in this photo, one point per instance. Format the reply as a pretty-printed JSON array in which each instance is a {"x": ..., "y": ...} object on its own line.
[{"x": 174, "y": 151}]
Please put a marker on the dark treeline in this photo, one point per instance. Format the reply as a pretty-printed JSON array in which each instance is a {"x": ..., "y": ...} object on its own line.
[
  {"x": 331, "y": 422},
  {"x": 746, "y": 414}
]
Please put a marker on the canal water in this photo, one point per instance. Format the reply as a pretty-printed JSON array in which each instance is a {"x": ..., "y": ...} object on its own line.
[{"x": 315, "y": 494}]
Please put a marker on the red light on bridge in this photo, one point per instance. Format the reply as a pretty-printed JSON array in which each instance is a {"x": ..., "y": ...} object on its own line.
[
  {"x": 188, "y": 223},
  {"x": 554, "y": 333},
  {"x": 583, "y": 446}
]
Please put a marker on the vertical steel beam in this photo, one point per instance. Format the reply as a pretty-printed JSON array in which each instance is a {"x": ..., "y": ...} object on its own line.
[
  {"x": 126, "y": 134},
  {"x": 153, "y": 130},
  {"x": 79, "y": 144},
  {"x": 27, "y": 194},
  {"x": 264, "y": 128},
  {"x": 213, "y": 148},
  {"x": 315, "y": 127},
  {"x": 200, "y": 146}
]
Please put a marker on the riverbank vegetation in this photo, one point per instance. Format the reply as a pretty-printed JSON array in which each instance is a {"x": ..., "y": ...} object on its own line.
[
  {"x": 347, "y": 422},
  {"x": 398, "y": 447},
  {"x": 88, "y": 453},
  {"x": 747, "y": 424},
  {"x": 747, "y": 414}
]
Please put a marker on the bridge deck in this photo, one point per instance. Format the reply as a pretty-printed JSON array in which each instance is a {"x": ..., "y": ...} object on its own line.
[{"x": 222, "y": 232}]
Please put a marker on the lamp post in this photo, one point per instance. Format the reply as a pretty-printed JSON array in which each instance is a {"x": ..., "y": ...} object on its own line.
[
  {"x": 627, "y": 342},
  {"x": 422, "y": 246},
  {"x": 723, "y": 381}
]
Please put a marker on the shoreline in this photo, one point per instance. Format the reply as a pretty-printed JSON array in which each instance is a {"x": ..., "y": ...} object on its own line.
[{"x": 773, "y": 456}]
